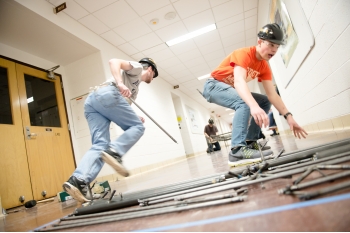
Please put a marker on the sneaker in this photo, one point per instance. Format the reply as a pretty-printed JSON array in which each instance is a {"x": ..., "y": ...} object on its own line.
[
  {"x": 76, "y": 188},
  {"x": 115, "y": 161},
  {"x": 246, "y": 155},
  {"x": 254, "y": 146}
]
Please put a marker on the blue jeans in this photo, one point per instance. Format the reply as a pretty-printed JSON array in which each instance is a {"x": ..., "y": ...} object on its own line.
[
  {"x": 226, "y": 96},
  {"x": 102, "y": 107}
]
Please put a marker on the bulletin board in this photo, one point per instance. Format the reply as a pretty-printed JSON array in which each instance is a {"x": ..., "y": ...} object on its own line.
[{"x": 289, "y": 14}]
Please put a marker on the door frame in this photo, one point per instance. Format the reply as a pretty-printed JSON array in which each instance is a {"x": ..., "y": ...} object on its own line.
[{"x": 64, "y": 99}]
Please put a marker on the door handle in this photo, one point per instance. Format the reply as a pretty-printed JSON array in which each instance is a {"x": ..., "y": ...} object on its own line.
[{"x": 29, "y": 135}]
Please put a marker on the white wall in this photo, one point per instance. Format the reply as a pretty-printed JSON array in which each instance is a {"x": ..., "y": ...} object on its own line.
[{"x": 320, "y": 89}]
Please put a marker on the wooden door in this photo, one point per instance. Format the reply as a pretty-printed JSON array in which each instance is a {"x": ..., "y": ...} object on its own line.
[
  {"x": 49, "y": 150},
  {"x": 14, "y": 176}
]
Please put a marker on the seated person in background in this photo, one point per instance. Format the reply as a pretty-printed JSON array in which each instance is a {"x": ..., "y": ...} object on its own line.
[{"x": 211, "y": 130}]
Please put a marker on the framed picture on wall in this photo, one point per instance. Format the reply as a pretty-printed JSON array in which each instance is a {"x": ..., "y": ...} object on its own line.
[{"x": 298, "y": 36}]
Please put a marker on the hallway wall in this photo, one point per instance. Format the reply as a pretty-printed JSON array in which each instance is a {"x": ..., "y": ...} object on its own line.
[{"x": 319, "y": 93}]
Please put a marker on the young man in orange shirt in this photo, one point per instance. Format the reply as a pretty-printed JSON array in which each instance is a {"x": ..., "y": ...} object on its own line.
[{"x": 228, "y": 88}]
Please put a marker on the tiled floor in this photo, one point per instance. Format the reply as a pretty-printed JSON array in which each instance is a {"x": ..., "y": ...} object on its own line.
[{"x": 264, "y": 210}]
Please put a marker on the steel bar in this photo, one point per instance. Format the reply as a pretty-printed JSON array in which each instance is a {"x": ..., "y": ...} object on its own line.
[
  {"x": 314, "y": 182},
  {"x": 279, "y": 153},
  {"x": 323, "y": 150},
  {"x": 145, "y": 214},
  {"x": 132, "y": 199},
  {"x": 344, "y": 154},
  {"x": 180, "y": 203},
  {"x": 170, "y": 197},
  {"x": 152, "y": 119},
  {"x": 333, "y": 188},
  {"x": 245, "y": 183}
]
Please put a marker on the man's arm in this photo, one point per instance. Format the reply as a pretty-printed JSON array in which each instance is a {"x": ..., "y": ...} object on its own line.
[
  {"x": 257, "y": 113},
  {"x": 276, "y": 101},
  {"x": 116, "y": 65}
]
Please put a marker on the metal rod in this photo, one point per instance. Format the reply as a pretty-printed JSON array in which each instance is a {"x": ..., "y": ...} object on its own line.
[
  {"x": 334, "y": 188},
  {"x": 279, "y": 153},
  {"x": 152, "y": 119},
  {"x": 291, "y": 189},
  {"x": 144, "y": 214}
]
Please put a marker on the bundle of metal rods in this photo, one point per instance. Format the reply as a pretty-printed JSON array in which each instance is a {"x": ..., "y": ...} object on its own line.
[{"x": 179, "y": 196}]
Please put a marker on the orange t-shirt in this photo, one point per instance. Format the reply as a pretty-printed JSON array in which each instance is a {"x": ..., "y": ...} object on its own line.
[{"x": 246, "y": 58}]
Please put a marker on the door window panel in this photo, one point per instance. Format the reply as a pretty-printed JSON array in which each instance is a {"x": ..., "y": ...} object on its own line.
[
  {"x": 5, "y": 102},
  {"x": 42, "y": 102}
]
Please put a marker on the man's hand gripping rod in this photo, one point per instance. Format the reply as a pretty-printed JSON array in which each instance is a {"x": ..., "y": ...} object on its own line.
[{"x": 152, "y": 119}]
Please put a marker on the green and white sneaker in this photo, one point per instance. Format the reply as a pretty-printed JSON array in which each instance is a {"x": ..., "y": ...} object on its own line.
[
  {"x": 254, "y": 146},
  {"x": 246, "y": 155}
]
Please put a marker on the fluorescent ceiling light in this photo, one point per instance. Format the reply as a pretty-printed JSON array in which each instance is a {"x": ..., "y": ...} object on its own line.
[
  {"x": 232, "y": 113},
  {"x": 204, "y": 77},
  {"x": 30, "y": 99},
  {"x": 191, "y": 35},
  {"x": 228, "y": 109}
]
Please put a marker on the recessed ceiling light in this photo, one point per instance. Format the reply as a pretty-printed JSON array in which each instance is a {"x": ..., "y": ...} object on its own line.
[
  {"x": 154, "y": 21},
  {"x": 191, "y": 35},
  {"x": 232, "y": 113},
  {"x": 204, "y": 77},
  {"x": 170, "y": 15},
  {"x": 228, "y": 109}
]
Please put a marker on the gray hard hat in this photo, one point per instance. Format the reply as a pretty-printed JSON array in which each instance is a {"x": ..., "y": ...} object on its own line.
[{"x": 152, "y": 63}]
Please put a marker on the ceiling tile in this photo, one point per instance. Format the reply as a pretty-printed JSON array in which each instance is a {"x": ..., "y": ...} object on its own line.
[
  {"x": 191, "y": 83},
  {"x": 93, "y": 5},
  {"x": 213, "y": 64},
  {"x": 230, "y": 20},
  {"x": 251, "y": 42},
  {"x": 217, "y": 2},
  {"x": 228, "y": 9},
  {"x": 186, "y": 78},
  {"x": 73, "y": 9},
  {"x": 95, "y": 25},
  {"x": 139, "y": 56},
  {"x": 233, "y": 39},
  {"x": 199, "y": 20},
  {"x": 202, "y": 68},
  {"x": 175, "y": 68},
  {"x": 190, "y": 55},
  {"x": 180, "y": 74},
  {"x": 169, "y": 62},
  {"x": 160, "y": 14},
  {"x": 128, "y": 48},
  {"x": 231, "y": 48},
  {"x": 161, "y": 55},
  {"x": 251, "y": 12},
  {"x": 213, "y": 55},
  {"x": 207, "y": 38},
  {"x": 145, "y": 7},
  {"x": 133, "y": 29},
  {"x": 251, "y": 22},
  {"x": 248, "y": 5},
  {"x": 172, "y": 31},
  {"x": 251, "y": 33},
  {"x": 113, "y": 38},
  {"x": 146, "y": 41},
  {"x": 156, "y": 48},
  {"x": 231, "y": 29},
  {"x": 116, "y": 14},
  {"x": 183, "y": 47},
  {"x": 187, "y": 8},
  {"x": 211, "y": 47},
  {"x": 195, "y": 62}
]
